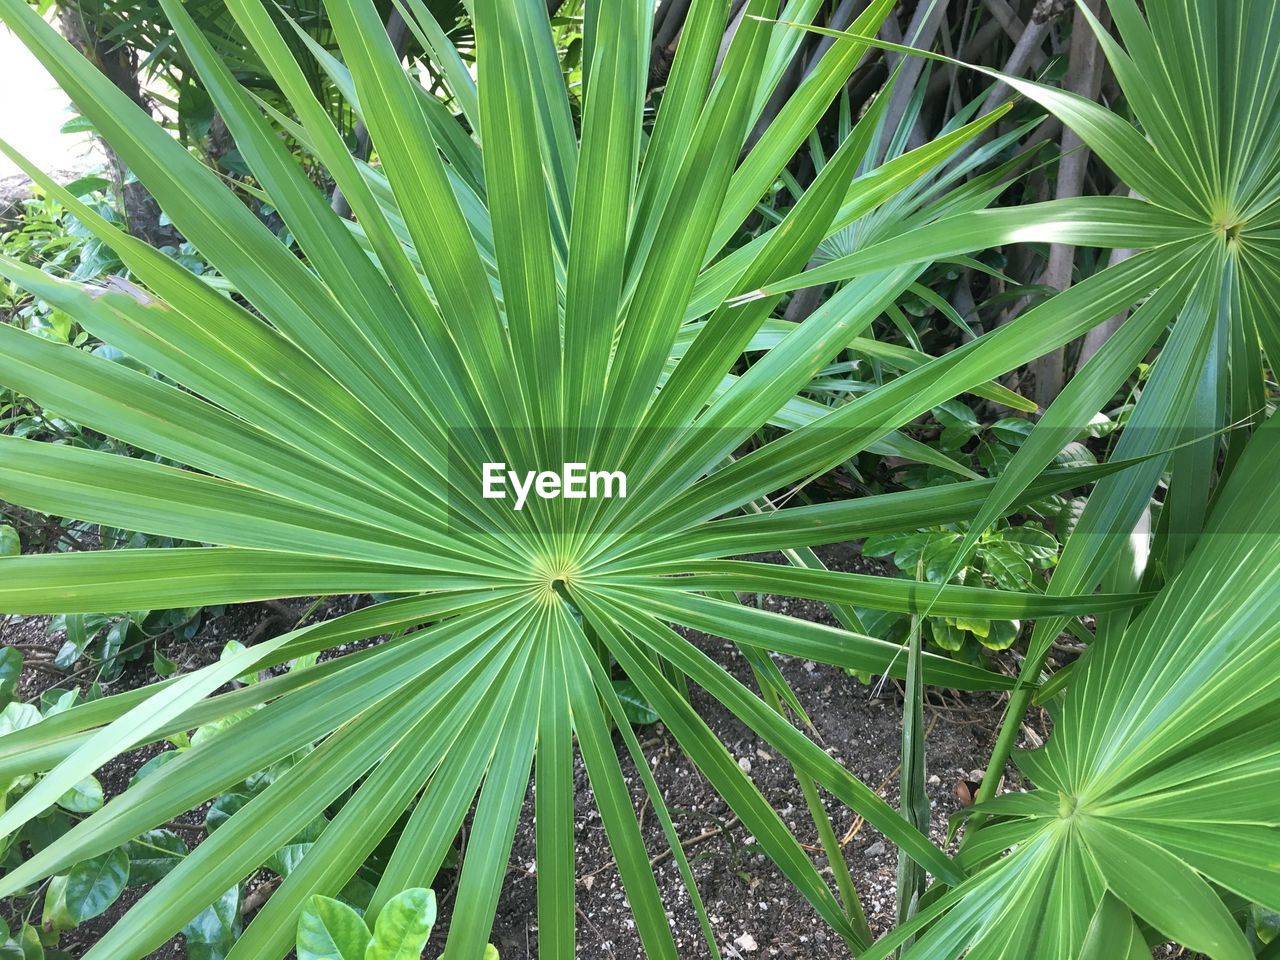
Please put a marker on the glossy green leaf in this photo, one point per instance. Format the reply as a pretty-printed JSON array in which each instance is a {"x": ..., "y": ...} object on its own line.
[
  {"x": 93, "y": 885},
  {"x": 212, "y": 932},
  {"x": 634, "y": 705},
  {"x": 153, "y": 855},
  {"x": 328, "y": 929},
  {"x": 403, "y": 926}
]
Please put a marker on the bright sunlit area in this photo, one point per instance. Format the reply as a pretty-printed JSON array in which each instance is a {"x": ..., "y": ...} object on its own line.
[{"x": 34, "y": 113}]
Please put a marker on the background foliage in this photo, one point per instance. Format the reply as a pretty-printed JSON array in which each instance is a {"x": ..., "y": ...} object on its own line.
[{"x": 808, "y": 283}]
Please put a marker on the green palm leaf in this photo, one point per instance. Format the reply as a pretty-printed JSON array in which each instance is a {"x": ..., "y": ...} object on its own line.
[
  {"x": 515, "y": 293},
  {"x": 1161, "y": 775}
]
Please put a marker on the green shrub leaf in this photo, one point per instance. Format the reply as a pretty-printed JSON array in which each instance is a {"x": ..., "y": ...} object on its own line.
[
  {"x": 10, "y": 671},
  {"x": 93, "y": 885},
  {"x": 84, "y": 797},
  {"x": 153, "y": 855},
  {"x": 637, "y": 709},
  {"x": 213, "y": 932},
  {"x": 403, "y": 926},
  {"x": 328, "y": 929}
]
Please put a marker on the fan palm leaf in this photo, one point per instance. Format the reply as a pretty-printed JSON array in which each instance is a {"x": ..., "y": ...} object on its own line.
[
  {"x": 1126, "y": 789},
  {"x": 516, "y": 294}
]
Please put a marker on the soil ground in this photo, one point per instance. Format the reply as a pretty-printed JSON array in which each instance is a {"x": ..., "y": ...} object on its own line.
[{"x": 754, "y": 911}]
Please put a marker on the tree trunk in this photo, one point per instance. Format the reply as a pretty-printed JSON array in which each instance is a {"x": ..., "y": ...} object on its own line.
[
  {"x": 1085, "y": 78},
  {"x": 1095, "y": 338},
  {"x": 119, "y": 64},
  {"x": 1026, "y": 50},
  {"x": 921, "y": 32}
]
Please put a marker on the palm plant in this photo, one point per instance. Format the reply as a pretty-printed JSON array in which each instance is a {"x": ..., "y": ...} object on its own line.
[
  {"x": 516, "y": 290},
  {"x": 1140, "y": 770}
]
